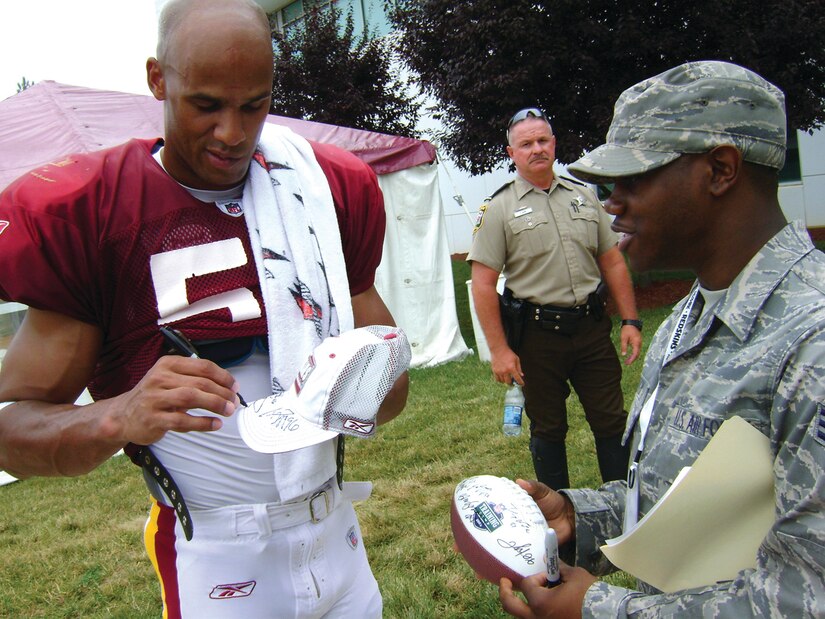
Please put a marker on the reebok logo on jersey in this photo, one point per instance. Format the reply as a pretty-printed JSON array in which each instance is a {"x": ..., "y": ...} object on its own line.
[
  {"x": 3, "y": 225},
  {"x": 237, "y": 590}
]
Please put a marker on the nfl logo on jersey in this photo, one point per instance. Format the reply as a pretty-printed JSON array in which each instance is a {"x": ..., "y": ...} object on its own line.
[
  {"x": 233, "y": 208},
  {"x": 352, "y": 538}
]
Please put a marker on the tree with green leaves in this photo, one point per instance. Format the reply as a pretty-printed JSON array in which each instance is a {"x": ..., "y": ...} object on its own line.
[
  {"x": 24, "y": 84},
  {"x": 482, "y": 60},
  {"x": 325, "y": 74}
]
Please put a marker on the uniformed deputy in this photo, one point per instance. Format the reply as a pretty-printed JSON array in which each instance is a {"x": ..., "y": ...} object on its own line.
[{"x": 552, "y": 240}]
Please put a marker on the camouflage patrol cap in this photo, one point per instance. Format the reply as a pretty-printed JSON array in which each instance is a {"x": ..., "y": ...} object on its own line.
[{"x": 689, "y": 109}]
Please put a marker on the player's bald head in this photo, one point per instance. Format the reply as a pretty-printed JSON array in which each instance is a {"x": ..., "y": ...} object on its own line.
[
  {"x": 183, "y": 16},
  {"x": 214, "y": 75}
]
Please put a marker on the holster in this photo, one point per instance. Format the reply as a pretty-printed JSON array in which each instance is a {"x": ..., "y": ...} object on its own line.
[
  {"x": 513, "y": 312},
  {"x": 597, "y": 301}
]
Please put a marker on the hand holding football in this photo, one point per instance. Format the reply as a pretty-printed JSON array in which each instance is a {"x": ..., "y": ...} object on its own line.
[{"x": 499, "y": 529}]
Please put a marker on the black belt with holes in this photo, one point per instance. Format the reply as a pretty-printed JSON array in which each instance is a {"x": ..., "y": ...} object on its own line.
[
  {"x": 339, "y": 462},
  {"x": 143, "y": 457}
]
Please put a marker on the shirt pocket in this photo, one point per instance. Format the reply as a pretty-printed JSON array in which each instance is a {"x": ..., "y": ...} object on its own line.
[
  {"x": 585, "y": 222},
  {"x": 531, "y": 236}
]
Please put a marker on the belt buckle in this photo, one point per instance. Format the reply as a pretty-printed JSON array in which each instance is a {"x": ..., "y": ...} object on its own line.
[{"x": 313, "y": 517}]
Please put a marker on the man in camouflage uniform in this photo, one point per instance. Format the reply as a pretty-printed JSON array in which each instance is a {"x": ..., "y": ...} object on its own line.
[{"x": 694, "y": 154}]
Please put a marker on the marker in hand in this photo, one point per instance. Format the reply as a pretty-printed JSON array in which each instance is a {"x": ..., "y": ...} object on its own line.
[
  {"x": 551, "y": 546},
  {"x": 185, "y": 347}
]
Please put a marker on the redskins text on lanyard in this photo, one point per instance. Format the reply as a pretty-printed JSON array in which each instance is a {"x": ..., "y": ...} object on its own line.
[{"x": 631, "y": 513}]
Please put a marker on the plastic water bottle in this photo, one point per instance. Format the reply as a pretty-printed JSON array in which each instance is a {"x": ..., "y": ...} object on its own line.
[{"x": 513, "y": 410}]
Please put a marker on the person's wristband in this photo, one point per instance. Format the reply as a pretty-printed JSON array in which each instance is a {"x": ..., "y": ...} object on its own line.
[{"x": 632, "y": 323}]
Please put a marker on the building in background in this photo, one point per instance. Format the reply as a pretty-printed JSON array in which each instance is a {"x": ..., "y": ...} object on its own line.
[{"x": 365, "y": 13}]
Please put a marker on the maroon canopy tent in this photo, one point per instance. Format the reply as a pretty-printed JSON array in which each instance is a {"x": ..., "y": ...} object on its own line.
[{"x": 50, "y": 120}]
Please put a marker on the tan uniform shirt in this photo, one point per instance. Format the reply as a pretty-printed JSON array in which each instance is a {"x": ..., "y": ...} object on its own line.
[{"x": 546, "y": 244}]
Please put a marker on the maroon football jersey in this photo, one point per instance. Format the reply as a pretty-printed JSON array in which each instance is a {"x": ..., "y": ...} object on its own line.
[{"x": 110, "y": 239}]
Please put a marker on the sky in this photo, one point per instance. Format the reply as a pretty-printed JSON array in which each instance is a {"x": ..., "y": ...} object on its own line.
[{"x": 95, "y": 43}]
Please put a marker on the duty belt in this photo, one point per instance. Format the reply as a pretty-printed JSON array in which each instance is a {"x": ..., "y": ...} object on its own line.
[{"x": 562, "y": 320}]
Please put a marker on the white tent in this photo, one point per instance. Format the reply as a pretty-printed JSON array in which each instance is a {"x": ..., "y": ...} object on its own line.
[{"x": 50, "y": 120}]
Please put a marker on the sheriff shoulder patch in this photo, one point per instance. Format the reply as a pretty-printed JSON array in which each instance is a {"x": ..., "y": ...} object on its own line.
[{"x": 480, "y": 217}]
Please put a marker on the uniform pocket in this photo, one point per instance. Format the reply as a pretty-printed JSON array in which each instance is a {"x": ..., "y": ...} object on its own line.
[
  {"x": 586, "y": 222},
  {"x": 530, "y": 234}
]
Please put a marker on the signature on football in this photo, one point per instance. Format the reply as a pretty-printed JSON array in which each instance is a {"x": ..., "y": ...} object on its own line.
[{"x": 523, "y": 551}]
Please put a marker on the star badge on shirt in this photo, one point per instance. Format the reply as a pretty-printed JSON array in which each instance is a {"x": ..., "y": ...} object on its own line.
[{"x": 576, "y": 203}]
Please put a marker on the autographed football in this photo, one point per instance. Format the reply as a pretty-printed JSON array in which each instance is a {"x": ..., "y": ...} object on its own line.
[{"x": 498, "y": 528}]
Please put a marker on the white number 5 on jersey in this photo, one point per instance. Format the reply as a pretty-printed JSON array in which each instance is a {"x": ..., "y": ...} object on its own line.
[{"x": 171, "y": 269}]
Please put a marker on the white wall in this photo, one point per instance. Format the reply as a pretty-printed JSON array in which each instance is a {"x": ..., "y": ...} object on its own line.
[
  {"x": 805, "y": 200},
  {"x": 456, "y": 185}
]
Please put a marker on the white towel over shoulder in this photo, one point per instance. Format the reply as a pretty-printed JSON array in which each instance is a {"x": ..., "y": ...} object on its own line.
[{"x": 295, "y": 237}]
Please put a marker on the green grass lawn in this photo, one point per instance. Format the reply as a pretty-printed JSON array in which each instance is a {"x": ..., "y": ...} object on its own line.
[{"x": 73, "y": 547}]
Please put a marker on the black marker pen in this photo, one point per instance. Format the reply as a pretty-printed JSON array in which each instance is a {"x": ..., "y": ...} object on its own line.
[
  {"x": 551, "y": 546},
  {"x": 185, "y": 347}
]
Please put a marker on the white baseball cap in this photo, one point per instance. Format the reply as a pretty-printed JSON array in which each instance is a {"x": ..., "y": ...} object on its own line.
[{"x": 338, "y": 391}]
